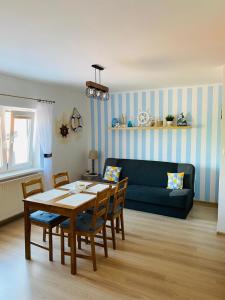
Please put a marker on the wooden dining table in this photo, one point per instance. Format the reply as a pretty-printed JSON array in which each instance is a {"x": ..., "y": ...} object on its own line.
[{"x": 54, "y": 206}]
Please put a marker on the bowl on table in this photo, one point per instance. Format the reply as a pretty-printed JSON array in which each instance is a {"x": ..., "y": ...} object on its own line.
[{"x": 81, "y": 187}]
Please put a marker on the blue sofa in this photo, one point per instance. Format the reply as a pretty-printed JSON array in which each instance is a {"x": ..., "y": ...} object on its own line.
[{"x": 147, "y": 186}]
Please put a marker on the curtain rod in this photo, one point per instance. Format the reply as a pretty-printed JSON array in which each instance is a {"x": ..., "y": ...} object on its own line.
[{"x": 29, "y": 98}]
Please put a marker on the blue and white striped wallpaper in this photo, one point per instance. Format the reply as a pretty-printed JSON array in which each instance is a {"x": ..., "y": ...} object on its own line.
[{"x": 199, "y": 145}]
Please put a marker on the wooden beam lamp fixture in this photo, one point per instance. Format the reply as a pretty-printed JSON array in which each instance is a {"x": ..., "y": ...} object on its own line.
[{"x": 95, "y": 89}]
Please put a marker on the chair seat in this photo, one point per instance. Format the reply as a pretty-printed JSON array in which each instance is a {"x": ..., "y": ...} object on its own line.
[
  {"x": 45, "y": 217},
  {"x": 110, "y": 212},
  {"x": 84, "y": 223}
]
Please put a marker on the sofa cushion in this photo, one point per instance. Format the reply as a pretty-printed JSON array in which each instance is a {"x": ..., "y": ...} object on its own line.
[
  {"x": 145, "y": 173},
  {"x": 159, "y": 196},
  {"x": 175, "y": 181},
  {"x": 112, "y": 174}
]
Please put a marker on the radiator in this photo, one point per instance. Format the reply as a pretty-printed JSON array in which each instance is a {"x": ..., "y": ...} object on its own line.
[{"x": 11, "y": 196}]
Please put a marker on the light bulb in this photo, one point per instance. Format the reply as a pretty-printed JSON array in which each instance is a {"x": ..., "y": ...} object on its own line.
[{"x": 105, "y": 96}]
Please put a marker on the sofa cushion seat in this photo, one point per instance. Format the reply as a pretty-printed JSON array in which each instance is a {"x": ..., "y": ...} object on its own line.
[{"x": 159, "y": 196}]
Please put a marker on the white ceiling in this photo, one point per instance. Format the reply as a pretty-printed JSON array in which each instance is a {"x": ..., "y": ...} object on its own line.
[{"x": 142, "y": 43}]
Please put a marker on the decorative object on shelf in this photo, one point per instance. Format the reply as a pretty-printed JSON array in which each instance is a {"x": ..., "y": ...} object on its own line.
[
  {"x": 159, "y": 123},
  {"x": 143, "y": 118},
  {"x": 64, "y": 130},
  {"x": 181, "y": 121},
  {"x": 115, "y": 122},
  {"x": 97, "y": 90},
  {"x": 93, "y": 155},
  {"x": 169, "y": 120},
  {"x": 76, "y": 121},
  {"x": 123, "y": 121},
  {"x": 175, "y": 127},
  {"x": 129, "y": 124},
  {"x": 151, "y": 121}
]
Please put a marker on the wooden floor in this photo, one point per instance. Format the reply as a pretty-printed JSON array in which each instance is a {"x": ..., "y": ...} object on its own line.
[{"x": 162, "y": 258}]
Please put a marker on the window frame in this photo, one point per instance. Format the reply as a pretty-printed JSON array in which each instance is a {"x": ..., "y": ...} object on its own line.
[
  {"x": 16, "y": 113},
  {"x": 25, "y": 115},
  {"x": 3, "y": 168}
]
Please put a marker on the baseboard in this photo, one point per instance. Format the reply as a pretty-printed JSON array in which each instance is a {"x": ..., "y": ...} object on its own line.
[
  {"x": 204, "y": 203},
  {"x": 11, "y": 219},
  {"x": 221, "y": 233}
]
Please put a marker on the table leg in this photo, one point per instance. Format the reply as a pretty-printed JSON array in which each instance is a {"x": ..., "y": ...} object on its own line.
[
  {"x": 73, "y": 246},
  {"x": 27, "y": 230}
]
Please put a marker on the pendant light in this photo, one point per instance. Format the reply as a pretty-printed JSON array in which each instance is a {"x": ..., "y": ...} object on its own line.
[{"x": 95, "y": 89}]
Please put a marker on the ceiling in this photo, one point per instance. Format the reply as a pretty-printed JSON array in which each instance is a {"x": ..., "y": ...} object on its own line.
[{"x": 142, "y": 43}]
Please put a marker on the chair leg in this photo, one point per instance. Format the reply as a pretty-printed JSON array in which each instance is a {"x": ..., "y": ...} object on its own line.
[
  {"x": 86, "y": 240},
  {"x": 62, "y": 247},
  {"x": 50, "y": 244},
  {"x": 79, "y": 242},
  {"x": 44, "y": 234},
  {"x": 105, "y": 241},
  {"x": 113, "y": 234},
  {"x": 93, "y": 253},
  {"x": 122, "y": 225},
  {"x": 117, "y": 225}
]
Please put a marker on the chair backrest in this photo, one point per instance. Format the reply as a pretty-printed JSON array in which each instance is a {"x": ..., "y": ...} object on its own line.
[
  {"x": 120, "y": 194},
  {"x": 101, "y": 205},
  {"x": 32, "y": 187},
  {"x": 60, "y": 179}
]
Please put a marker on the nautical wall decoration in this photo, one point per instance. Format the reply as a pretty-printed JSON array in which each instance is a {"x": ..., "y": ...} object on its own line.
[
  {"x": 143, "y": 118},
  {"x": 64, "y": 130},
  {"x": 76, "y": 122}
]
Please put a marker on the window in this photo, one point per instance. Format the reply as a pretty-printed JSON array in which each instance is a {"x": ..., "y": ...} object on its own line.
[
  {"x": 2, "y": 158},
  {"x": 16, "y": 139}
]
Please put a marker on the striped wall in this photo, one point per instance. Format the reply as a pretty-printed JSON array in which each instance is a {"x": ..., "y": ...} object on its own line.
[{"x": 199, "y": 145}]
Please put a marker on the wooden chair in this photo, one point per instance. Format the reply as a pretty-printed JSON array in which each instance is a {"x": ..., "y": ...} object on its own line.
[
  {"x": 60, "y": 179},
  {"x": 88, "y": 226},
  {"x": 40, "y": 218},
  {"x": 115, "y": 211}
]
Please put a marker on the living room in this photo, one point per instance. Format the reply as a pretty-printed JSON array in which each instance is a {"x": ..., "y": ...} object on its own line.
[{"x": 113, "y": 113}]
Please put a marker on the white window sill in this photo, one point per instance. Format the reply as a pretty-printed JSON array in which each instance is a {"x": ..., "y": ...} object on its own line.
[{"x": 17, "y": 174}]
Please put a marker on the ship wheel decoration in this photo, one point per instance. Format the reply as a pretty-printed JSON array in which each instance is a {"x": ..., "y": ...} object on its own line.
[
  {"x": 76, "y": 121},
  {"x": 64, "y": 130},
  {"x": 143, "y": 118}
]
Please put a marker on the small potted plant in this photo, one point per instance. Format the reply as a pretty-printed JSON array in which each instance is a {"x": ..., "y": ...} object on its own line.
[{"x": 169, "y": 120}]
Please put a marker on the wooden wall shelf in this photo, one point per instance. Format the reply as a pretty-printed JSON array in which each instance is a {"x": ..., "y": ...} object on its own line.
[{"x": 151, "y": 128}]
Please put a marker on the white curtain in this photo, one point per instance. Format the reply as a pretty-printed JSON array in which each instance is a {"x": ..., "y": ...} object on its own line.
[{"x": 44, "y": 131}]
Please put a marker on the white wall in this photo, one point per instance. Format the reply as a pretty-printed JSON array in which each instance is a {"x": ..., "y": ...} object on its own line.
[
  {"x": 68, "y": 154},
  {"x": 221, "y": 205}
]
